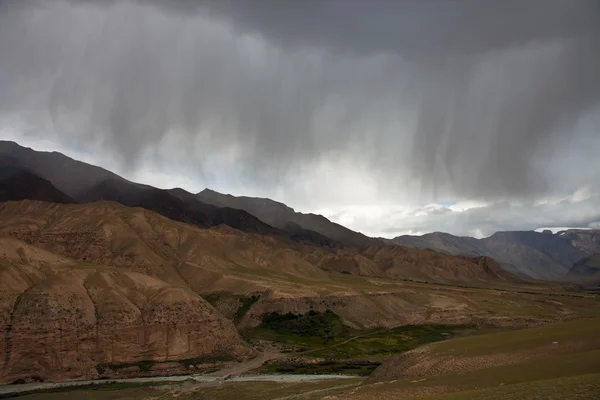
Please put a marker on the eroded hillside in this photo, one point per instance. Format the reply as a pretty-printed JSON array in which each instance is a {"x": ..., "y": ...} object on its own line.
[
  {"x": 61, "y": 320},
  {"x": 87, "y": 284}
]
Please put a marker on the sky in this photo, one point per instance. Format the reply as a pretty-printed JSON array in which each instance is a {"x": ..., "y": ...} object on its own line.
[{"x": 388, "y": 116}]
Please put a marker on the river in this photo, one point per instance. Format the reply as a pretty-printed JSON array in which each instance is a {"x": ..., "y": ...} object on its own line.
[{"x": 28, "y": 387}]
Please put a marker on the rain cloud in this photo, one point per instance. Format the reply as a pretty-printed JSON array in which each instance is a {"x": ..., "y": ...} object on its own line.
[{"x": 322, "y": 104}]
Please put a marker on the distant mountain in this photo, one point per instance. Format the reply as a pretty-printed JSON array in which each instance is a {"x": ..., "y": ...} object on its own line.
[
  {"x": 444, "y": 243},
  {"x": 286, "y": 218},
  {"x": 52, "y": 176},
  {"x": 587, "y": 240},
  {"x": 526, "y": 253},
  {"x": 539, "y": 255},
  {"x": 24, "y": 185},
  {"x": 455, "y": 245}
]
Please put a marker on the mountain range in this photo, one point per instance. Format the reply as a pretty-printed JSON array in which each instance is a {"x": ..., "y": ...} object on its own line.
[
  {"x": 59, "y": 178},
  {"x": 96, "y": 270},
  {"x": 539, "y": 255}
]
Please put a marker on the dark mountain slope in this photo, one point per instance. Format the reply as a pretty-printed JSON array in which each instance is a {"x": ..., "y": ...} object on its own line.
[
  {"x": 283, "y": 217},
  {"x": 68, "y": 175},
  {"x": 536, "y": 254},
  {"x": 586, "y": 270},
  {"x": 178, "y": 208},
  {"x": 445, "y": 243},
  {"x": 24, "y": 185},
  {"x": 87, "y": 183}
]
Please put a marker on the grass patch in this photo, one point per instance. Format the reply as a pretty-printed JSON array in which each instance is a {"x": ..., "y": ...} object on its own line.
[
  {"x": 583, "y": 387},
  {"x": 358, "y": 368},
  {"x": 389, "y": 341},
  {"x": 324, "y": 335},
  {"x": 327, "y": 326},
  {"x": 75, "y": 392},
  {"x": 146, "y": 365},
  {"x": 553, "y": 367},
  {"x": 583, "y": 330}
]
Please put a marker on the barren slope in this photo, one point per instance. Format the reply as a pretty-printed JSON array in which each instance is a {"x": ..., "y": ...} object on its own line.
[
  {"x": 107, "y": 233},
  {"x": 526, "y": 253},
  {"x": 61, "y": 319},
  {"x": 369, "y": 288},
  {"x": 87, "y": 284}
]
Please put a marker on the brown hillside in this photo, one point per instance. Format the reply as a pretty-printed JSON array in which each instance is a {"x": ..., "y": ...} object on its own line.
[
  {"x": 103, "y": 283},
  {"x": 106, "y": 233},
  {"x": 61, "y": 319}
]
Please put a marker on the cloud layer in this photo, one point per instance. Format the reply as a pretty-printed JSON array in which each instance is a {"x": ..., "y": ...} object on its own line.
[{"x": 326, "y": 105}]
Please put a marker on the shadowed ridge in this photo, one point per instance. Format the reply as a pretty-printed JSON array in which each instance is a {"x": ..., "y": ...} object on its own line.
[
  {"x": 286, "y": 218},
  {"x": 24, "y": 185},
  {"x": 175, "y": 205},
  {"x": 66, "y": 174}
]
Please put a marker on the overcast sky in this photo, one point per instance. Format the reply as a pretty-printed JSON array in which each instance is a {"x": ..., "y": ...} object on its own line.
[{"x": 388, "y": 116}]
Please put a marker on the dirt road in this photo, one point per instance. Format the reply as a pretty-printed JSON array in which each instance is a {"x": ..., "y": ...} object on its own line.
[{"x": 245, "y": 366}]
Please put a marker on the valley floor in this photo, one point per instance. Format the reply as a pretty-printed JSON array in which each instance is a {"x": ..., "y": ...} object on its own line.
[{"x": 559, "y": 361}]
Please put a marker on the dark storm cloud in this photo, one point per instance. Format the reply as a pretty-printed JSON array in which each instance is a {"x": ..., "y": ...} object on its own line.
[
  {"x": 412, "y": 28},
  {"x": 455, "y": 99},
  {"x": 477, "y": 107}
]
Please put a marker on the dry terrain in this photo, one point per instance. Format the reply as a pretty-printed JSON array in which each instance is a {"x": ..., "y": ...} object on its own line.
[
  {"x": 90, "y": 289},
  {"x": 497, "y": 364},
  {"x": 556, "y": 362}
]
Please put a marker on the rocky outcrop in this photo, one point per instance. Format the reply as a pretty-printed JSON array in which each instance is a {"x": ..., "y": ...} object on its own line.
[{"x": 63, "y": 321}]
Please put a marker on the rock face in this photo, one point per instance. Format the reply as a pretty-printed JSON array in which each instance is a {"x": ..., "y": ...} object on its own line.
[
  {"x": 60, "y": 320},
  {"x": 586, "y": 240}
]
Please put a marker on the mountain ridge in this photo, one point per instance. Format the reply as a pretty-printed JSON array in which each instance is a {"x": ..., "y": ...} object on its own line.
[
  {"x": 278, "y": 214},
  {"x": 526, "y": 253},
  {"x": 24, "y": 185},
  {"x": 540, "y": 255}
]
